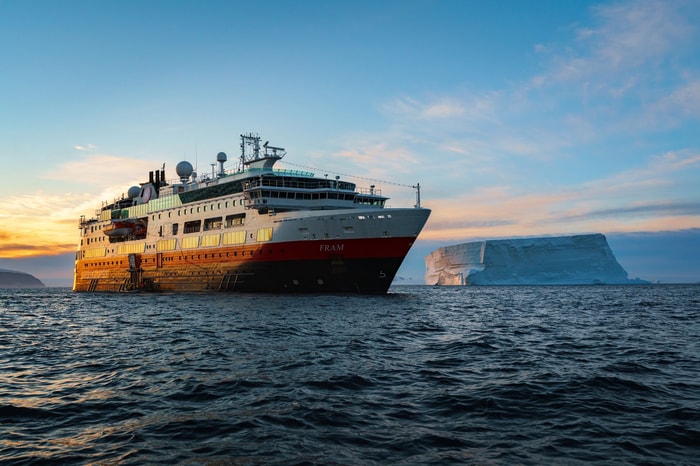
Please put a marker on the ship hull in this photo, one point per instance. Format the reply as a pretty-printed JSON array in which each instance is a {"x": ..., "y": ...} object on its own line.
[{"x": 360, "y": 266}]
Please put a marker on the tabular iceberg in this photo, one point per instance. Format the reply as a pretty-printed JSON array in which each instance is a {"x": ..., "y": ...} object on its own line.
[{"x": 560, "y": 260}]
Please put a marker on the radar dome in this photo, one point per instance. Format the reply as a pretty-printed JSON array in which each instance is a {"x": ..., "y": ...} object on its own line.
[
  {"x": 184, "y": 169},
  {"x": 133, "y": 192},
  {"x": 221, "y": 157}
]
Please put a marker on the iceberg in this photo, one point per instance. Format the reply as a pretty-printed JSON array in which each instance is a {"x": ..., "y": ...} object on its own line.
[{"x": 556, "y": 260}]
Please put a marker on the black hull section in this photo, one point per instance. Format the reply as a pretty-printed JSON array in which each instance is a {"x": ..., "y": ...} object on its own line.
[{"x": 370, "y": 276}]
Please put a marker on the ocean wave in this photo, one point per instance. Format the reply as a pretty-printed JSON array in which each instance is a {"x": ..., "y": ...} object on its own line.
[{"x": 495, "y": 375}]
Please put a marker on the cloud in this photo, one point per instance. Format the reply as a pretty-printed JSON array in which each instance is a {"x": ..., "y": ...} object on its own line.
[
  {"x": 45, "y": 222},
  {"x": 634, "y": 68},
  {"x": 588, "y": 144},
  {"x": 87, "y": 148},
  {"x": 639, "y": 32},
  {"x": 40, "y": 223},
  {"x": 646, "y": 209},
  {"x": 641, "y": 198},
  {"x": 672, "y": 168},
  {"x": 684, "y": 101},
  {"x": 619, "y": 75},
  {"x": 102, "y": 170},
  {"x": 463, "y": 106},
  {"x": 372, "y": 155},
  {"x": 444, "y": 109},
  {"x": 626, "y": 36},
  {"x": 19, "y": 249}
]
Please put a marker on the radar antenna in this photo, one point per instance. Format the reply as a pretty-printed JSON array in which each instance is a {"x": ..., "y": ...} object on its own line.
[{"x": 250, "y": 150}]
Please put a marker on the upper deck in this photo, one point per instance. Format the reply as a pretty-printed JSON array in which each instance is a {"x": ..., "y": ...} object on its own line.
[{"x": 262, "y": 186}]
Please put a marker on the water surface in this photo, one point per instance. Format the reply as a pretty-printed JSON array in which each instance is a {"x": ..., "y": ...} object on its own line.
[{"x": 423, "y": 375}]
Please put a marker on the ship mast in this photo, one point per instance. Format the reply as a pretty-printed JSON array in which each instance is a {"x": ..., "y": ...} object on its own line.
[
  {"x": 256, "y": 160},
  {"x": 250, "y": 139},
  {"x": 417, "y": 188}
]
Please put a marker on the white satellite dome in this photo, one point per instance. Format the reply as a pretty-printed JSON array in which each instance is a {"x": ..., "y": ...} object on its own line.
[{"x": 184, "y": 169}]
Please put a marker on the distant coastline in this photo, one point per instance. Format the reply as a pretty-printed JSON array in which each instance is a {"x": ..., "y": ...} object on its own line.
[{"x": 16, "y": 279}]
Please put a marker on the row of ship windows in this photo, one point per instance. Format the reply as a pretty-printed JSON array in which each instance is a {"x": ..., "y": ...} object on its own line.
[
  {"x": 278, "y": 195},
  {"x": 195, "y": 226},
  {"x": 182, "y": 258},
  {"x": 203, "y": 208},
  {"x": 315, "y": 196},
  {"x": 301, "y": 196},
  {"x": 214, "y": 223},
  {"x": 193, "y": 210},
  {"x": 332, "y": 217},
  {"x": 297, "y": 183},
  {"x": 189, "y": 242}
]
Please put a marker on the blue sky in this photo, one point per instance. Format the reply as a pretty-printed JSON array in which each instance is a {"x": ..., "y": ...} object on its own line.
[{"x": 517, "y": 118}]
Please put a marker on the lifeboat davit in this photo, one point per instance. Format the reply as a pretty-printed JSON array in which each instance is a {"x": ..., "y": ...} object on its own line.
[{"x": 139, "y": 229}]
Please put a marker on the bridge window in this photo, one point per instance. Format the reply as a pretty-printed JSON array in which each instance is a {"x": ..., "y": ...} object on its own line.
[
  {"x": 193, "y": 226},
  {"x": 234, "y": 220},
  {"x": 212, "y": 223}
]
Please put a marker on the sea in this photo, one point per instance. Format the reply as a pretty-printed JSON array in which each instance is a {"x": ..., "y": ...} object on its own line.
[{"x": 490, "y": 375}]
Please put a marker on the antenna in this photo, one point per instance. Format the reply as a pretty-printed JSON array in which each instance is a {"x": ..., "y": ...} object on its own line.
[{"x": 221, "y": 158}]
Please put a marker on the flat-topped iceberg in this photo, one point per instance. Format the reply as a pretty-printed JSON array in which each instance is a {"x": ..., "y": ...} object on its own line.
[{"x": 558, "y": 260}]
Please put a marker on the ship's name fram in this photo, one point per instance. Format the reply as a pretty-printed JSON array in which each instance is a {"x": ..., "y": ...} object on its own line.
[{"x": 323, "y": 247}]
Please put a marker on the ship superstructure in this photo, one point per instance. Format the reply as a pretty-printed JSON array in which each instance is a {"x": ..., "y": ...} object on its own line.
[{"x": 255, "y": 228}]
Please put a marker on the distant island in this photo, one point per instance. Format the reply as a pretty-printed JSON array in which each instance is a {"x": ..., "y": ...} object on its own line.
[
  {"x": 556, "y": 260},
  {"x": 15, "y": 279}
]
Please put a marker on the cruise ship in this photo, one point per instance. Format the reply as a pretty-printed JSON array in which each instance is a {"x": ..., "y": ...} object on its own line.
[{"x": 254, "y": 228}]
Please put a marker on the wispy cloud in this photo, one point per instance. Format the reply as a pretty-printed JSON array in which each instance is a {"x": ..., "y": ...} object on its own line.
[
  {"x": 566, "y": 150},
  {"x": 626, "y": 201},
  {"x": 39, "y": 223},
  {"x": 629, "y": 70},
  {"x": 102, "y": 170},
  {"x": 667, "y": 209},
  {"x": 680, "y": 103},
  {"x": 678, "y": 169},
  {"x": 444, "y": 109},
  {"x": 86, "y": 148},
  {"x": 627, "y": 36},
  {"x": 618, "y": 75},
  {"x": 50, "y": 216},
  {"x": 438, "y": 108},
  {"x": 374, "y": 156}
]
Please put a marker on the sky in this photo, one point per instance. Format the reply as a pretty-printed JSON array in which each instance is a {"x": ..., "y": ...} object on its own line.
[{"x": 517, "y": 118}]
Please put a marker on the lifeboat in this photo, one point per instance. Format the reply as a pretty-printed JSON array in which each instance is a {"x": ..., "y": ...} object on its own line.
[
  {"x": 123, "y": 228},
  {"x": 118, "y": 229}
]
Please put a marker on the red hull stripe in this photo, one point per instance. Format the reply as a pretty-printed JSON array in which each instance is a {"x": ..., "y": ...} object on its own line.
[{"x": 326, "y": 249}]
